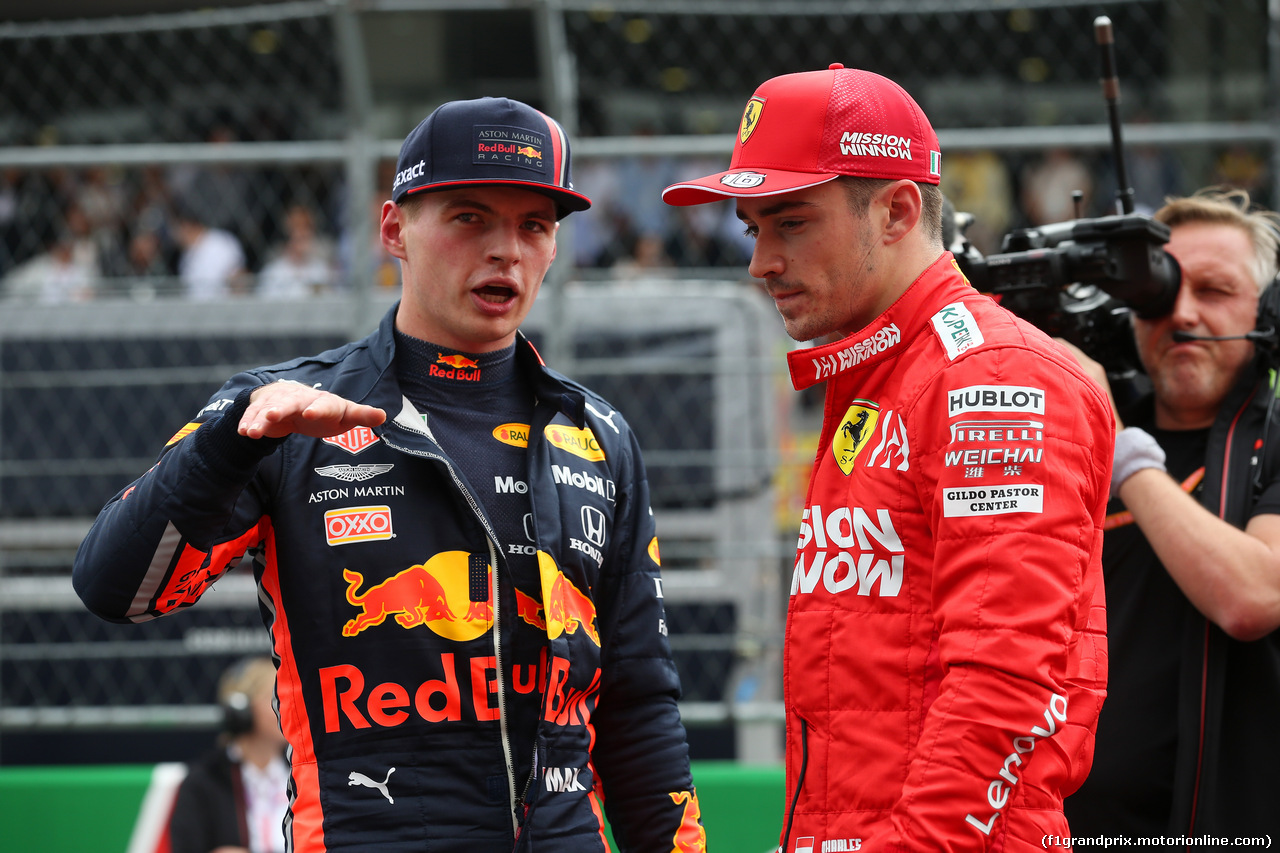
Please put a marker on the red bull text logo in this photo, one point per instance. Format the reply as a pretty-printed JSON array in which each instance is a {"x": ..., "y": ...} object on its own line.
[
  {"x": 490, "y": 150},
  {"x": 357, "y": 524},
  {"x": 435, "y": 594},
  {"x": 347, "y": 705},
  {"x": 564, "y": 608},
  {"x": 457, "y": 368},
  {"x": 353, "y": 440},
  {"x": 580, "y": 442}
]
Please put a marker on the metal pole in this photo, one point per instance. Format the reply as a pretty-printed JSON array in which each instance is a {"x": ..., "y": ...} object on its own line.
[
  {"x": 559, "y": 95},
  {"x": 361, "y": 161},
  {"x": 1273, "y": 96}
]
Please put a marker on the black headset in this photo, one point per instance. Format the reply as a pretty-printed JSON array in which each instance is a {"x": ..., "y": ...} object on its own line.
[{"x": 237, "y": 705}]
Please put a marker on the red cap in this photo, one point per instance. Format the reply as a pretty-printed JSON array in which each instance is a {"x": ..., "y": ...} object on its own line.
[{"x": 801, "y": 130}]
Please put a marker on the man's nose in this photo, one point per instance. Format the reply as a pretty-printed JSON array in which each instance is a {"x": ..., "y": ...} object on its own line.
[{"x": 765, "y": 261}]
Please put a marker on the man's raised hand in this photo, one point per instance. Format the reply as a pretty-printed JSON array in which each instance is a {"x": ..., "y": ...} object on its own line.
[{"x": 286, "y": 407}]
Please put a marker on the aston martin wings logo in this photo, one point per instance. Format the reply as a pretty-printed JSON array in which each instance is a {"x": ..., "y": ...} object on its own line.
[{"x": 354, "y": 473}]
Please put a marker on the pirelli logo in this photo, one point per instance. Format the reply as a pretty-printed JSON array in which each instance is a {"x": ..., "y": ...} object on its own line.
[{"x": 357, "y": 524}]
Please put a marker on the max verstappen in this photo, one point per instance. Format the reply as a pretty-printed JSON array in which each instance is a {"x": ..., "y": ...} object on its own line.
[
  {"x": 453, "y": 545},
  {"x": 945, "y": 651}
]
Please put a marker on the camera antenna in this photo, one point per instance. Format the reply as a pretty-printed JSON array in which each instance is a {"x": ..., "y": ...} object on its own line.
[{"x": 1111, "y": 93}]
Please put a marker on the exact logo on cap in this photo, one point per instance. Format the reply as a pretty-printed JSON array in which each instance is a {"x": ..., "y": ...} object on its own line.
[{"x": 508, "y": 146}]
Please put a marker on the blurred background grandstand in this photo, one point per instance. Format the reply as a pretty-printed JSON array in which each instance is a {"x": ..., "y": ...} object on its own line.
[{"x": 185, "y": 191}]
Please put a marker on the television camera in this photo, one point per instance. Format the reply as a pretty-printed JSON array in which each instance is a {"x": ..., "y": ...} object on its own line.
[{"x": 1080, "y": 280}]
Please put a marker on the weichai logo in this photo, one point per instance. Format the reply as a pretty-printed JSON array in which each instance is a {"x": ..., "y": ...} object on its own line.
[
  {"x": 580, "y": 442},
  {"x": 353, "y": 440},
  {"x": 435, "y": 594},
  {"x": 516, "y": 435},
  {"x": 563, "y": 609},
  {"x": 357, "y": 524}
]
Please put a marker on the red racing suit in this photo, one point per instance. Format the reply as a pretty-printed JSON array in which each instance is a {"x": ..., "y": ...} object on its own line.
[{"x": 945, "y": 652}]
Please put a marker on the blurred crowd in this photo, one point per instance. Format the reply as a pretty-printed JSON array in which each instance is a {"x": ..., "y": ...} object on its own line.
[{"x": 211, "y": 232}]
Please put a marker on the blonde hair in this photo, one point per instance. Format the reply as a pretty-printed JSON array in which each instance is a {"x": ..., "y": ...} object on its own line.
[
  {"x": 1231, "y": 206},
  {"x": 250, "y": 676}
]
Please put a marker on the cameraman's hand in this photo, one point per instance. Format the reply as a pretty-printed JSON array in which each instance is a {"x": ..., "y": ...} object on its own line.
[{"x": 1096, "y": 372}]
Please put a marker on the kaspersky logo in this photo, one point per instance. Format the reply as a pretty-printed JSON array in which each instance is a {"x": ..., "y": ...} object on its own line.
[
  {"x": 455, "y": 367},
  {"x": 855, "y": 430},
  {"x": 435, "y": 595},
  {"x": 563, "y": 609}
]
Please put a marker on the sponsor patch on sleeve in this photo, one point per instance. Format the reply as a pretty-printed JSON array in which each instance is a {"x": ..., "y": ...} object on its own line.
[
  {"x": 957, "y": 329},
  {"x": 183, "y": 433},
  {"x": 994, "y": 398},
  {"x": 971, "y": 501}
]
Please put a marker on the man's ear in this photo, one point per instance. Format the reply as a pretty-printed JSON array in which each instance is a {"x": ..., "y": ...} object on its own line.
[
  {"x": 904, "y": 206},
  {"x": 391, "y": 229}
]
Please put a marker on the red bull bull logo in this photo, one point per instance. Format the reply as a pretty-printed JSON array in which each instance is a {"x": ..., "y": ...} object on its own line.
[
  {"x": 458, "y": 361},
  {"x": 529, "y": 151},
  {"x": 564, "y": 608},
  {"x": 435, "y": 594},
  {"x": 456, "y": 367},
  {"x": 691, "y": 837}
]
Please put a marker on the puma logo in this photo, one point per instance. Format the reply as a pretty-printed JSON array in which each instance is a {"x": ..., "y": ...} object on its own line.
[
  {"x": 606, "y": 418},
  {"x": 360, "y": 779}
]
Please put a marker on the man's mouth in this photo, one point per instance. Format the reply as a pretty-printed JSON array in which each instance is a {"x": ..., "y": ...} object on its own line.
[{"x": 495, "y": 293}]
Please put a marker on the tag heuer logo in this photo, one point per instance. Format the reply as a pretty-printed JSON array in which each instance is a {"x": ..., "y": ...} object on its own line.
[{"x": 353, "y": 440}]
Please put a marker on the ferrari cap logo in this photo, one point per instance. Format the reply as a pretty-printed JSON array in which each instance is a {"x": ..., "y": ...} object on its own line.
[{"x": 750, "y": 118}]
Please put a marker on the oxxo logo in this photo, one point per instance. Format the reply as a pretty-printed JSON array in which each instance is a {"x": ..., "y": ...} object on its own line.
[{"x": 358, "y": 524}]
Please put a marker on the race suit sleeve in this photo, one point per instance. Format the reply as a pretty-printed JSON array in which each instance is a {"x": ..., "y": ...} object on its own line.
[
  {"x": 640, "y": 752},
  {"x": 1017, "y": 607},
  {"x": 163, "y": 540}
]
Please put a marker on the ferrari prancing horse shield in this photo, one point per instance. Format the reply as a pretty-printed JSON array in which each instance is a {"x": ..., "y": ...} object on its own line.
[{"x": 855, "y": 430}]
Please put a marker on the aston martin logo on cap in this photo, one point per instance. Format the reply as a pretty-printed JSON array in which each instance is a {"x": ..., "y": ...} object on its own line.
[
  {"x": 750, "y": 117},
  {"x": 743, "y": 180}
]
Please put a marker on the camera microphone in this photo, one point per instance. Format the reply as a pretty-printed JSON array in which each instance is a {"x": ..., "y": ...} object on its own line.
[{"x": 1269, "y": 337}]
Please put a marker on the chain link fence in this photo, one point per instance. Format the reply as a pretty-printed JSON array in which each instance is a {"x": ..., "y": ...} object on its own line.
[{"x": 125, "y": 142}]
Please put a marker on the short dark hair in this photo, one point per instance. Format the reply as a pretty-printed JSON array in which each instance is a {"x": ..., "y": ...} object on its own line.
[{"x": 861, "y": 190}]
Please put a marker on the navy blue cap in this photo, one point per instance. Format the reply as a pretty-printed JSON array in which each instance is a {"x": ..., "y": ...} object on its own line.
[{"x": 488, "y": 141}]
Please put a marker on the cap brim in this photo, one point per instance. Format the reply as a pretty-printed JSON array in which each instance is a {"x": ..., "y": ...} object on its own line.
[
  {"x": 742, "y": 183},
  {"x": 567, "y": 201}
]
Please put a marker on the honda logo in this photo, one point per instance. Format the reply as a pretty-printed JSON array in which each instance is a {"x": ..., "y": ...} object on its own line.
[{"x": 593, "y": 525}]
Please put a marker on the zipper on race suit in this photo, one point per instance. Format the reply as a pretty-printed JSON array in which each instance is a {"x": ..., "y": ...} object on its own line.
[
  {"x": 494, "y": 548},
  {"x": 804, "y": 764}
]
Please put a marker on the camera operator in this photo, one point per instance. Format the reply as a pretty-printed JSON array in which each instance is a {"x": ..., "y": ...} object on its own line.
[{"x": 1188, "y": 742}]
